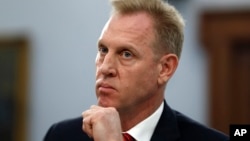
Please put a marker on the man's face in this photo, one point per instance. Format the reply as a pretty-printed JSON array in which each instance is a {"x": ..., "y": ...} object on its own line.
[{"x": 126, "y": 74}]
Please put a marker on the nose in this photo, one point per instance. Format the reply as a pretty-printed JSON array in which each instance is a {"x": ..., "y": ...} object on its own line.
[{"x": 106, "y": 65}]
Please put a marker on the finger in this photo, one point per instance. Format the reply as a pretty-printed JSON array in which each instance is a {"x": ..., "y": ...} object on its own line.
[
  {"x": 88, "y": 112},
  {"x": 94, "y": 107},
  {"x": 87, "y": 127}
]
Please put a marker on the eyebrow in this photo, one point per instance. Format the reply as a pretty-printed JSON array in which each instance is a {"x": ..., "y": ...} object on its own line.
[
  {"x": 99, "y": 43},
  {"x": 121, "y": 47}
]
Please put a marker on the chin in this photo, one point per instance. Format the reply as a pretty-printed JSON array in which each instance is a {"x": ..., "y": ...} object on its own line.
[{"x": 104, "y": 103}]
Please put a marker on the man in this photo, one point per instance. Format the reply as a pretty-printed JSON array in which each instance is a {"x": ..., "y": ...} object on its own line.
[{"x": 138, "y": 52}]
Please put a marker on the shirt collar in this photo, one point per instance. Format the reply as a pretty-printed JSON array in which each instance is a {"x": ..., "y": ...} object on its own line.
[{"x": 143, "y": 131}]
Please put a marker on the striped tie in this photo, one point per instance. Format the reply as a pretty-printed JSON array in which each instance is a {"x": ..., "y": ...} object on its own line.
[{"x": 127, "y": 137}]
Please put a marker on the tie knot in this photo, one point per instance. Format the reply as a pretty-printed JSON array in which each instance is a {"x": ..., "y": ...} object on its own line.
[{"x": 127, "y": 137}]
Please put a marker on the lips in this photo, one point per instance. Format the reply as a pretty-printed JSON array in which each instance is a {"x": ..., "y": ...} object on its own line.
[{"x": 103, "y": 87}]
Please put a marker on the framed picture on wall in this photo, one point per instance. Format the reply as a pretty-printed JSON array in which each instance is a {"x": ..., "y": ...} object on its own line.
[{"x": 13, "y": 88}]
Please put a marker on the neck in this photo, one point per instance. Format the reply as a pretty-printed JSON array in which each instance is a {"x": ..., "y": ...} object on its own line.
[{"x": 132, "y": 117}]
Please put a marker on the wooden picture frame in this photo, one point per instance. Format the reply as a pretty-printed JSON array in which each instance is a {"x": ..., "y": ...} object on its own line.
[
  {"x": 226, "y": 37},
  {"x": 13, "y": 88}
]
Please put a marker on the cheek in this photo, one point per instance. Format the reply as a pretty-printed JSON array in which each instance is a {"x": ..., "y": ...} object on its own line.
[
  {"x": 149, "y": 73},
  {"x": 140, "y": 80},
  {"x": 97, "y": 74},
  {"x": 97, "y": 68},
  {"x": 148, "y": 80},
  {"x": 97, "y": 71}
]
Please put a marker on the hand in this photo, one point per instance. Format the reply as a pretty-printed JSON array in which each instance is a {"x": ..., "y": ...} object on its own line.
[{"x": 102, "y": 124}]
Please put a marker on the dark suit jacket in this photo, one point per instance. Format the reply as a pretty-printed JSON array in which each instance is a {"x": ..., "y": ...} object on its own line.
[{"x": 172, "y": 126}]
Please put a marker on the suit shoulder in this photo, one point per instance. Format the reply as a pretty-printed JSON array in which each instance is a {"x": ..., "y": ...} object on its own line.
[
  {"x": 74, "y": 123},
  {"x": 192, "y": 129},
  {"x": 66, "y": 130}
]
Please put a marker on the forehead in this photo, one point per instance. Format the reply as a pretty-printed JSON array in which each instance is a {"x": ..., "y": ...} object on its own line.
[{"x": 136, "y": 27}]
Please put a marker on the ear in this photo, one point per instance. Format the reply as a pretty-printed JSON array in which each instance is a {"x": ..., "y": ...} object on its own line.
[{"x": 167, "y": 66}]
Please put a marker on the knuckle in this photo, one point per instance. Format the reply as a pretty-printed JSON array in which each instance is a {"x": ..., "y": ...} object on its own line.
[
  {"x": 84, "y": 121},
  {"x": 112, "y": 110}
]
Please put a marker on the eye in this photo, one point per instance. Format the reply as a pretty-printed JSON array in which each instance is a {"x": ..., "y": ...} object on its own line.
[
  {"x": 103, "y": 50},
  {"x": 126, "y": 54}
]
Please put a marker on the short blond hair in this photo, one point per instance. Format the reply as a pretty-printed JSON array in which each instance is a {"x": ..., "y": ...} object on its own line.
[{"x": 168, "y": 23}]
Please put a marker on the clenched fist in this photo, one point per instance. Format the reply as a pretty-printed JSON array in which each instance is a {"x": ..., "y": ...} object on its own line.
[{"x": 102, "y": 124}]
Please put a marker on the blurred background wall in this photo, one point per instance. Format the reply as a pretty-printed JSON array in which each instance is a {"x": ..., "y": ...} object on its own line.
[{"x": 62, "y": 39}]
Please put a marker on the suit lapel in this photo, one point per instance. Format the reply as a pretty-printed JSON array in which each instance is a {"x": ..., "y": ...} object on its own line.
[{"x": 167, "y": 127}]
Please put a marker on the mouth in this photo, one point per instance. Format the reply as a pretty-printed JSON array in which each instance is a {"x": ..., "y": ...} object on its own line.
[
  {"x": 105, "y": 88},
  {"x": 105, "y": 92}
]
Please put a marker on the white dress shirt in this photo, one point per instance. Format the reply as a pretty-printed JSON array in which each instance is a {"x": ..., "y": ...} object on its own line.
[{"x": 144, "y": 130}]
